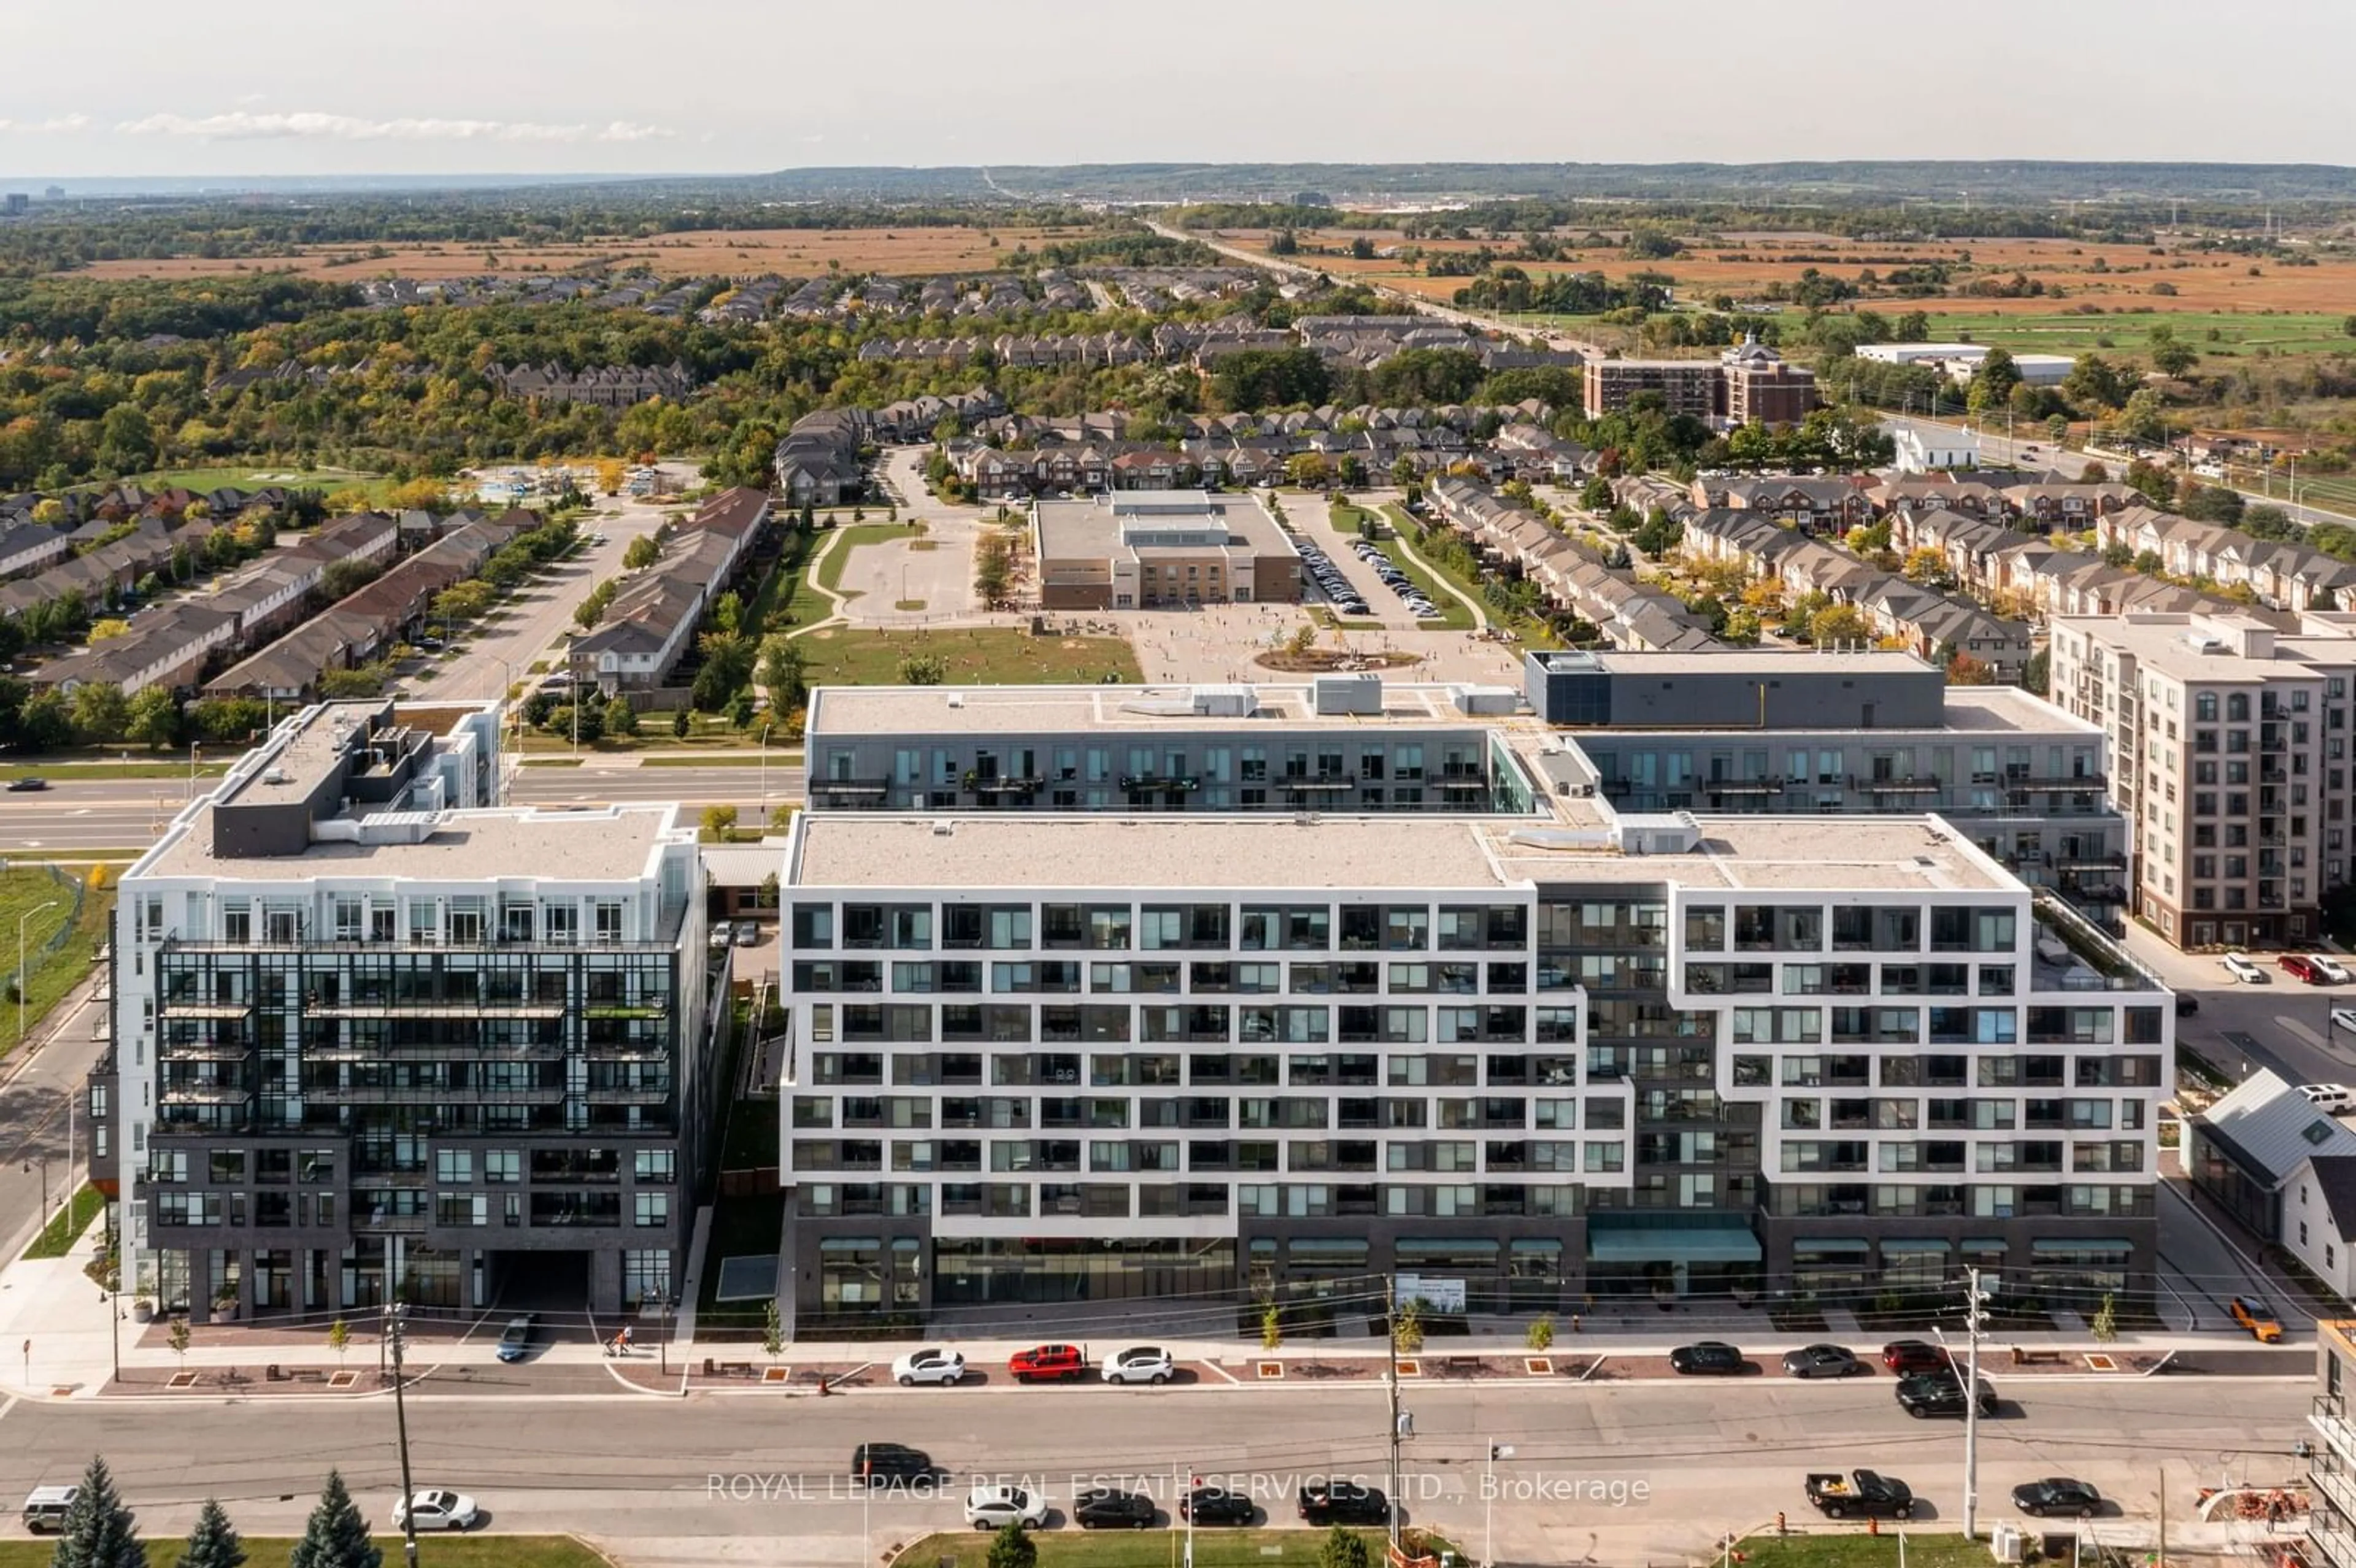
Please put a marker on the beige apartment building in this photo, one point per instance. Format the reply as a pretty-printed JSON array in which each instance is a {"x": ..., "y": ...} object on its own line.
[
  {"x": 2229, "y": 743},
  {"x": 1151, "y": 550}
]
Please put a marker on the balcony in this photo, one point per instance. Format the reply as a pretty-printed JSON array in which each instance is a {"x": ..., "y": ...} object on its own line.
[
  {"x": 191, "y": 1007},
  {"x": 1170, "y": 783},
  {"x": 1002, "y": 783},
  {"x": 833, "y": 789},
  {"x": 1908, "y": 786},
  {"x": 1743, "y": 786},
  {"x": 434, "y": 1010}
]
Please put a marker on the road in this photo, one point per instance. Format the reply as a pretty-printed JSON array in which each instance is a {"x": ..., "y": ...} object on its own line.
[
  {"x": 38, "y": 1086},
  {"x": 2032, "y": 449},
  {"x": 75, "y": 816},
  {"x": 1613, "y": 1470}
]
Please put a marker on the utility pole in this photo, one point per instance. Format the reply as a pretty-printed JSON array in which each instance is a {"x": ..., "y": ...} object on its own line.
[
  {"x": 398, "y": 1316},
  {"x": 1402, "y": 1423},
  {"x": 1974, "y": 1319}
]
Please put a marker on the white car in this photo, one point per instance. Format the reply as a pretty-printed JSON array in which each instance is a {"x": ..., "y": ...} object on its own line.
[
  {"x": 2332, "y": 1098},
  {"x": 995, "y": 1508},
  {"x": 437, "y": 1510},
  {"x": 2238, "y": 966},
  {"x": 2344, "y": 1019},
  {"x": 722, "y": 934},
  {"x": 930, "y": 1365},
  {"x": 1140, "y": 1364},
  {"x": 2334, "y": 972}
]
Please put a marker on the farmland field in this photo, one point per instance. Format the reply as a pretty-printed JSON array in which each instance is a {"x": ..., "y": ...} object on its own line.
[
  {"x": 793, "y": 252},
  {"x": 2302, "y": 306}
]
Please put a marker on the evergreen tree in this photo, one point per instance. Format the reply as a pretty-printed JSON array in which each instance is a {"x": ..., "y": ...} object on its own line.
[
  {"x": 336, "y": 1537},
  {"x": 99, "y": 1531},
  {"x": 213, "y": 1543}
]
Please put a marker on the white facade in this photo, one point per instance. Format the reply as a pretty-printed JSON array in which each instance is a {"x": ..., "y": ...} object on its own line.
[{"x": 1922, "y": 451}]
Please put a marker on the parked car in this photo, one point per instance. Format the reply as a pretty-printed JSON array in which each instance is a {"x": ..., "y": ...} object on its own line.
[
  {"x": 1140, "y": 1364},
  {"x": 1822, "y": 1362},
  {"x": 747, "y": 934},
  {"x": 515, "y": 1339},
  {"x": 45, "y": 1507},
  {"x": 1217, "y": 1505},
  {"x": 2334, "y": 972},
  {"x": 989, "y": 1507},
  {"x": 28, "y": 785},
  {"x": 1941, "y": 1394},
  {"x": 1061, "y": 1361},
  {"x": 2300, "y": 967},
  {"x": 2253, "y": 1313},
  {"x": 2238, "y": 966},
  {"x": 890, "y": 1462},
  {"x": 1708, "y": 1358},
  {"x": 436, "y": 1510},
  {"x": 1863, "y": 1493},
  {"x": 1101, "y": 1508},
  {"x": 1908, "y": 1356},
  {"x": 929, "y": 1365},
  {"x": 1343, "y": 1502},
  {"x": 722, "y": 934},
  {"x": 2331, "y": 1098},
  {"x": 2344, "y": 1018},
  {"x": 2186, "y": 1004},
  {"x": 2057, "y": 1495}
]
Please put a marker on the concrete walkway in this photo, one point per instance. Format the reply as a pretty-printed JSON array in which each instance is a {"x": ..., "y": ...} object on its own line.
[{"x": 1440, "y": 578}]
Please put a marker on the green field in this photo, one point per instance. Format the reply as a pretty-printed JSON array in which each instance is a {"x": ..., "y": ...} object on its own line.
[
  {"x": 976, "y": 656},
  {"x": 1857, "y": 1550},
  {"x": 65, "y": 767},
  {"x": 829, "y": 570},
  {"x": 23, "y": 889},
  {"x": 432, "y": 1552},
  {"x": 1137, "y": 1549},
  {"x": 248, "y": 476},
  {"x": 2060, "y": 333}
]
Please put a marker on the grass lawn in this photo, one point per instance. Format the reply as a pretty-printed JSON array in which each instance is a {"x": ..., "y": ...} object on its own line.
[
  {"x": 778, "y": 757},
  {"x": 66, "y": 1226},
  {"x": 23, "y": 889},
  {"x": 250, "y": 476},
  {"x": 829, "y": 570},
  {"x": 1074, "y": 1548},
  {"x": 60, "y": 766},
  {"x": 440, "y": 1551},
  {"x": 1861, "y": 1551},
  {"x": 976, "y": 656}
]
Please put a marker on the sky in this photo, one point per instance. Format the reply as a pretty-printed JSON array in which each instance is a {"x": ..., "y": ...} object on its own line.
[{"x": 127, "y": 87}]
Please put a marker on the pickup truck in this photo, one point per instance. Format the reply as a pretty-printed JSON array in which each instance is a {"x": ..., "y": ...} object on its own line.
[{"x": 1861, "y": 1493}]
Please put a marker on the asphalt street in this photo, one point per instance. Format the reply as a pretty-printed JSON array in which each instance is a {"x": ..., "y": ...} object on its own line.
[
  {"x": 75, "y": 814},
  {"x": 1617, "y": 1469}
]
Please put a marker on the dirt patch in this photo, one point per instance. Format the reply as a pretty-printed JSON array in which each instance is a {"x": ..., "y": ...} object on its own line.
[{"x": 1317, "y": 661}]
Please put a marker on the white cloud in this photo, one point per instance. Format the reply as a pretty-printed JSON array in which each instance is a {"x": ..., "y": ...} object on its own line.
[
  {"x": 241, "y": 125},
  {"x": 52, "y": 126}
]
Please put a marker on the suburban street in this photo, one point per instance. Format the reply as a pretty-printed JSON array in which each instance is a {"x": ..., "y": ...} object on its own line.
[{"x": 738, "y": 1479}]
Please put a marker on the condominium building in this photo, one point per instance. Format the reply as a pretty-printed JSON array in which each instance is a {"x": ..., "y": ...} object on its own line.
[
  {"x": 2229, "y": 742},
  {"x": 1145, "y": 550},
  {"x": 1189, "y": 993},
  {"x": 1758, "y": 387},
  {"x": 1867, "y": 734},
  {"x": 1685, "y": 385},
  {"x": 378, "y": 1036},
  {"x": 2331, "y": 1541}
]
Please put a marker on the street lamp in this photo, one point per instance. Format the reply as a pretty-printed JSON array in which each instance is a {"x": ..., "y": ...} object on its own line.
[
  {"x": 1489, "y": 1503},
  {"x": 23, "y": 978},
  {"x": 194, "y": 747},
  {"x": 396, "y": 1319}
]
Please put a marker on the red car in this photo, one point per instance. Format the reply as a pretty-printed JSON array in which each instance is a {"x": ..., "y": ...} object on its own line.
[
  {"x": 2300, "y": 967},
  {"x": 1048, "y": 1361},
  {"x": 1914, "y": 1356}
]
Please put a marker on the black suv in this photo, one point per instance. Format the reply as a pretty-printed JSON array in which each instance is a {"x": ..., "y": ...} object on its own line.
[
  {"x": 1940, "y": 1394},
  {"x": 890, "y": 1462},
  {"x": 1217, "y": 1505},
  {"x": 1343, "y": 1502},
  {"x": 1101, "y": 1508}
]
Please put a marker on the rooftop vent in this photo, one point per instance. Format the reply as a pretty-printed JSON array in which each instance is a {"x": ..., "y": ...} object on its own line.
[
  {"x": 943, "y": 828},
  {"x": 273, "y": 775},
  {"x": 957, "y": 700}
]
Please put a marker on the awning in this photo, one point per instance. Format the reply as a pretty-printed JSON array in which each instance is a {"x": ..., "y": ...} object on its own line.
[
  {"x": 1665, "y": 1243},
  {"x": 1899, "y": 1244},
  {"x": 2051, "y": 1246},
  {"x": 1829, "y": 1244}
]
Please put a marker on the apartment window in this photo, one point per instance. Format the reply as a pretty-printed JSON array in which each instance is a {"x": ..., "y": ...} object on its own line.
[
  {"x": 655, "y": 1165},
  {"x": 453, "y": 1167},
  {"x": 502, "y": 1165},
  {"x": 651, "y": 1210}
]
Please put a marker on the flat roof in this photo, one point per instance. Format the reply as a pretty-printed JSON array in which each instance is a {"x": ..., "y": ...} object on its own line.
[
  {"x": 612, "y": 844},
  {"x": 1144, "y": 854},
  {"x": 1111, "y": 523},
  {"x": 2158, "y": 643},
  {"x": 1738, "y": 662},
  {"x": 839, "y": 712},
  {"x": 290, "y": 766}
]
